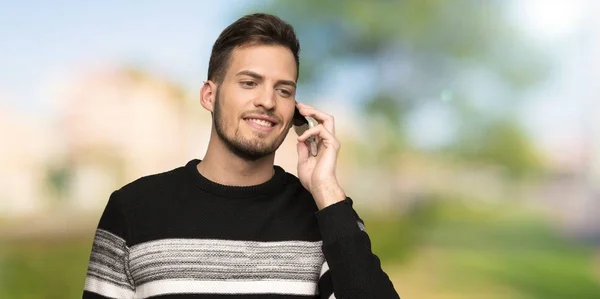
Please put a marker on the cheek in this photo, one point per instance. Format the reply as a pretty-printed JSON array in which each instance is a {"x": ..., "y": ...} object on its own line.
[
  {"x": 290, "y": 118},
  {"x": 239, "y": 101},
  {"x": 229, "y": 106}
]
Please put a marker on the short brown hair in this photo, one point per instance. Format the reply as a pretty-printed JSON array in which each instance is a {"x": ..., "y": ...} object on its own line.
[{"x": 259, "y": 29}]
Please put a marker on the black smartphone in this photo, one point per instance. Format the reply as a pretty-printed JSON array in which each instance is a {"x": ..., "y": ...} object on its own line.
[
  {"x": 301, "y": 124},
  {"x": 299, "y": 119}
]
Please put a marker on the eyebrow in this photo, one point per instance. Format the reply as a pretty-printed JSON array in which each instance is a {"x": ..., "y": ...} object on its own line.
[{"x": 260, "y": 77}]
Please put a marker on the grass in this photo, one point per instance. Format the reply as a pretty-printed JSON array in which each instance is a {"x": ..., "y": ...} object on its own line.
[
  {"x": 477, "y": 249},
  {"x": 49, "y": 270},
  {"x": 436, "y": 251}
]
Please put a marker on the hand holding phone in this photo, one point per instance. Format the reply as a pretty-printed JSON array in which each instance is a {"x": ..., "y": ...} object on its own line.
[
  {"x": 301, "y": 124},
  {"x": 316, "y": 171}
]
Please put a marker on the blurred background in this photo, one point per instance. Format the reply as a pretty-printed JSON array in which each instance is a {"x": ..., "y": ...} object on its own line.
[{"x": 470, "y": 131}]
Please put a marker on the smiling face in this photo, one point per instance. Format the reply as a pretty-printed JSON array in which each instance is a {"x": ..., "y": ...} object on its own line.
[{"x": 254, "y": 104}]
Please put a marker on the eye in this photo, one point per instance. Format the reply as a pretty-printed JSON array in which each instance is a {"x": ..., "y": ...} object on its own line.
[
  {"x": 284, "y": 92},
  {"x": 248, "y": 84}
]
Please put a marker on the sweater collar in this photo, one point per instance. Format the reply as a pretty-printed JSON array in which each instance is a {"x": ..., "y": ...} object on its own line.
[{"x": 269, "y": 187}]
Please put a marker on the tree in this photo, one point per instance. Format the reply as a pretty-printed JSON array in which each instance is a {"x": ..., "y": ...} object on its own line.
[{"x": 414, "y": 52}]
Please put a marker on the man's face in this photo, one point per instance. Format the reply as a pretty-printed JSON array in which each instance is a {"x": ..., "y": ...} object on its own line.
[{"x": 255, "y": 102}]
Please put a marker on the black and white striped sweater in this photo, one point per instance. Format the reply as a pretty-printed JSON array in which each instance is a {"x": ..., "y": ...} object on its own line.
[{"x": 179, "y": 235}]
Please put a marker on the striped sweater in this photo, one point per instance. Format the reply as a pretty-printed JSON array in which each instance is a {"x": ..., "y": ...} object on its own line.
[{"x": 179, "y": 235}]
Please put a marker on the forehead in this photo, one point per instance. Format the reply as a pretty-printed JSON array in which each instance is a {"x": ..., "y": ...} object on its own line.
[{"x": 271, "y": 61}]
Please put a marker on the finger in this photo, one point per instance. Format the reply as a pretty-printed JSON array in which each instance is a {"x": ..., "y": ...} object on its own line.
[
  {"x": 323, "y": 118},
  {"x": 302, "y": 152},
  {"x": 326, "y": 138}
]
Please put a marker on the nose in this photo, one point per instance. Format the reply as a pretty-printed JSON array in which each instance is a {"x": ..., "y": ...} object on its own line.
[{"x": 266, "y": 98}]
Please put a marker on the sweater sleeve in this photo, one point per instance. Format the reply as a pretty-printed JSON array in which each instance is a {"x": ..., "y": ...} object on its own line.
[
  {"x": 351, "y": 269},
  {"x": 108, "y": 271}
]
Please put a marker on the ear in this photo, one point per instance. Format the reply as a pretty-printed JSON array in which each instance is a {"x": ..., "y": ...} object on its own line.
[{"x": 208, "y": 93}]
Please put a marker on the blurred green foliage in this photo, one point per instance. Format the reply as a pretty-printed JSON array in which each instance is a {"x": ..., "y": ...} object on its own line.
[
  {"x": 503, "y": 143},
  {"x": 410, "y": 52},
  {"x": 58, "y": 179}
]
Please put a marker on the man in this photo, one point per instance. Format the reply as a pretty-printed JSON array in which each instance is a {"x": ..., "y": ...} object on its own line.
[{"x": 234, "y": 225}]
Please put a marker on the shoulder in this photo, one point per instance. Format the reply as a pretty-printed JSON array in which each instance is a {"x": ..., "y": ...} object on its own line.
[
  {"x": 152, "y": 184},
  {"x": 291, "y": 181},
  {"x": 293, "y": 188}
]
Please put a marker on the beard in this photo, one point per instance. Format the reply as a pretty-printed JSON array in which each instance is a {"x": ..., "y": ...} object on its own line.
[{"x": 249, "y": 149}]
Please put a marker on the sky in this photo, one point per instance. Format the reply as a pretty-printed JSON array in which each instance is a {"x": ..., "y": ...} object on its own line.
[
  {"x": 45, "y": 41},
  {"x": 563, "y": 109}
]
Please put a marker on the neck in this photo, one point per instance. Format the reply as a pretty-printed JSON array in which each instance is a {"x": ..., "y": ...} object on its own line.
[{"x": 222, "y": 166}]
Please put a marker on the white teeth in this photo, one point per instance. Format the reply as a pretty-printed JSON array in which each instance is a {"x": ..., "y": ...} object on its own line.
[{"x": 261, "y": 122}]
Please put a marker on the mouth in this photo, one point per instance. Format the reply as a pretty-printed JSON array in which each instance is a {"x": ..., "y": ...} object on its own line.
[{"x": 261, "y": 123}]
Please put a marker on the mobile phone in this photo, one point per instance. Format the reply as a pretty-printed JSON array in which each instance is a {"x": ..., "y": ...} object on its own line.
[{"x": 301, "y": 124}]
